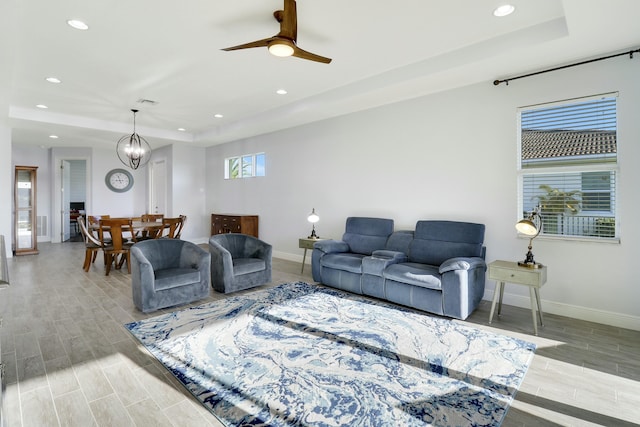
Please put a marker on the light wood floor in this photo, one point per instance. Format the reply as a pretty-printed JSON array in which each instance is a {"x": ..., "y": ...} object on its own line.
[{"x": 70, "y": 362}]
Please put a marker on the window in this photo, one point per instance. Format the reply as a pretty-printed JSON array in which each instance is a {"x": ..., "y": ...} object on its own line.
[
  {"x": 568, "y": 166},
  {"x": 245, "y": 166}
]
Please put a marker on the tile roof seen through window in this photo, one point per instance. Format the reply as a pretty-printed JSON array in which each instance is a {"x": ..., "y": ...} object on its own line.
[{"x": 545, "y": 144}]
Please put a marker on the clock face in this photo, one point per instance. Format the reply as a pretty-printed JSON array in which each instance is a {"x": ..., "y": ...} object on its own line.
[{"x": 119, "y": 180}]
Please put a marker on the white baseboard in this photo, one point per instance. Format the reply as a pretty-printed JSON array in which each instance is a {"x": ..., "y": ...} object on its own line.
[
  {"x": 619, "y": 320},
  {"x": 292, "y": 257}
]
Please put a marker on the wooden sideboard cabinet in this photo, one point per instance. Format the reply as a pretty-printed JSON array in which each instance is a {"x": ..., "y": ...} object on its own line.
[{"x": 234, "y": 223}]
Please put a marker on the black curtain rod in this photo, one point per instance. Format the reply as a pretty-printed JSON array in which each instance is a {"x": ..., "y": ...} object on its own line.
[{"x": 630, "y": 53}]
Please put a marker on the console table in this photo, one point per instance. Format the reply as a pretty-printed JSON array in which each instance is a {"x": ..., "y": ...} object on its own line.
[
  {"x": 234, "y": 223},
  {"x": 508, "y": 271}
]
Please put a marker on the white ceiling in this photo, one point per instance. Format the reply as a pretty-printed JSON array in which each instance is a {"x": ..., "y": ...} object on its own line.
[{"x": 169, "y": 51}]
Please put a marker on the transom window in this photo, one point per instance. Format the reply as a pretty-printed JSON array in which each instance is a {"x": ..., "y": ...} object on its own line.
[
  {"x": 245, "y": 166},
  {"x": 568, "y": 166}
]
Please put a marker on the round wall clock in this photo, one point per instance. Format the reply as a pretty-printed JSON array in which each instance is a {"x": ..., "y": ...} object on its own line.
[{"x": 119, "y": 180}]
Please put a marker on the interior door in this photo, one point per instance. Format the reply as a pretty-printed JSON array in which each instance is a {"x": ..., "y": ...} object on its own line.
[
  {"x": 65, "y": 192},
  {"x": 158, "y": 188}
]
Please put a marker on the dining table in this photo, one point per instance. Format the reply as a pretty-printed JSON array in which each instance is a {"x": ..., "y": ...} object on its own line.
[{"x": 137, "y": 225}]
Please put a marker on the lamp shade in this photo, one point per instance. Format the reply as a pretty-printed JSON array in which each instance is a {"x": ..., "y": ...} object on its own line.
[
  {"x": 527, "y": 227},
  {"x": 313, "y": 217}
]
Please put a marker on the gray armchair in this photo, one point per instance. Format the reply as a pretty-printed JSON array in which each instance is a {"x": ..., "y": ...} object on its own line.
[
  {"x": 238, "y": 262},
  {"x": 168, "y": 272}
]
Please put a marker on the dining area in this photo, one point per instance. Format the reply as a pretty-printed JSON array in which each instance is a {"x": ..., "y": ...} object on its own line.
[{"x": 115, "y": 236}]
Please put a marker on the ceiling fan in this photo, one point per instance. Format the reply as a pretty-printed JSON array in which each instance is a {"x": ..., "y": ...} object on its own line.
[{"x": 284, "y": 43}]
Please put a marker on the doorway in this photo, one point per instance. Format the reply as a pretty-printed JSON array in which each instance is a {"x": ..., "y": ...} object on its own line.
[
  {"x": 74, "y": 196},
  {"x": 158, "y": 188},
  {"x": 76, "y": 188}
]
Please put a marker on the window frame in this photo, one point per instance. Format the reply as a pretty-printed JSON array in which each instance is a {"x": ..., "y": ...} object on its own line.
[
  {"x": 248, "y": 166},
  {"x": 602, "y": 163}
]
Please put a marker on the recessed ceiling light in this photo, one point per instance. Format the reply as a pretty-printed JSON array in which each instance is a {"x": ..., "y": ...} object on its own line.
[
  {"x": 281, "y": 92},
  {"x": 44, "y": 107},
  {"x": 181, "y": 129},
  {"x": 218, "y": 116},
  {"x": 53, "y": 80},
  {"x": 504, "y": 10},
  {"x": 78, "y": 25},
  {"x": 53, "y": 136}
]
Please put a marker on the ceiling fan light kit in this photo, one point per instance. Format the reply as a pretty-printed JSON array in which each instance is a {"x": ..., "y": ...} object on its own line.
[
  {"x": 284, "y": 43},
  {"x": 280, "y": 48}
]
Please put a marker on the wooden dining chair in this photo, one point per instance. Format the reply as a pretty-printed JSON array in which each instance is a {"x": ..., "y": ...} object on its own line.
[
  {"x": 171, "y": 228},
  {"x": 93, "y": 224},
  {"x": 150, "y": 233},
  {"x": 118, "y": 250},
  {"x": 92, "y": 244},
  {"x": 95, "y": 219},
  {"x": 183, "y": 219}
]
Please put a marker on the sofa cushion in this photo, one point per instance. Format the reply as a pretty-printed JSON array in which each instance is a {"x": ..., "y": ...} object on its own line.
[
  {"x": 422, "y": 275},
  {"x": 169, "y": 278},
  {"x": 436, "y": 241},
  {"x": 365, "y": 235},
  {"x": 248, "y": 265},
  {"x": 381, "y": 259},
  {"x": 343, "y": 261},
  {"x": 400, "y": 240}
]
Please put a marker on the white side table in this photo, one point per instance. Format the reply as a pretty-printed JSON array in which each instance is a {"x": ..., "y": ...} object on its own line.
[{"x": 508, "y": 271}]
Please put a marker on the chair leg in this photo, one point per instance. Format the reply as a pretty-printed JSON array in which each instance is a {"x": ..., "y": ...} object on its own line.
[
  {"x": 108, "y": 262},
  {"x": 87, "y": 259}
]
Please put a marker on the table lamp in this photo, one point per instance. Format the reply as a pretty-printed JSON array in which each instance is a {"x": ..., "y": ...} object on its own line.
[
  {"x": 531, "y": 227},
  {"x": 313, "y": 218}
]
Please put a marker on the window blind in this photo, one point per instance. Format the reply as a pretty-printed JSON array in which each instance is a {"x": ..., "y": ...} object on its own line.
[{"x": 568, "y": 166}]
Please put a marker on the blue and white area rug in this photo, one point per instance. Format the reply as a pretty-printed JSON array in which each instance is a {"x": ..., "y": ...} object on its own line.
[{"x": 305, "y": 355}]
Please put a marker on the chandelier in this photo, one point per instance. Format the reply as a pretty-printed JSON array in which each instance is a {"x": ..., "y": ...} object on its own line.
[{"x": 133, "y": 150}]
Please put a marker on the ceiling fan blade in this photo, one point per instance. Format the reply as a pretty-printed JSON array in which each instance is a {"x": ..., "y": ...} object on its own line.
[
  {"x": 286, "y": 38},
  {"x": 257, "y": 43},
  {"x": 300, "y": 53},
  {"x": 288, "y": 20}
]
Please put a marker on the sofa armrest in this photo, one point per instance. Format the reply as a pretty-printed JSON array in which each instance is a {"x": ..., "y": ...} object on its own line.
[
  {"x": 396, "y": 256},
  {"x": 141, "y": 274},
  {"x": 381, "y": 259},
  {"x": 331, "y": 246},
  {"x": 462, "y": 263},
  {"x": 144, "y": 270}
]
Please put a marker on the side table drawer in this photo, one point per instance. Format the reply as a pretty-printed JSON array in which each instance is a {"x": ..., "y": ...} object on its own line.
[
  {"x": 306, "y": 243},
  {"x": 515, "y": 276}
]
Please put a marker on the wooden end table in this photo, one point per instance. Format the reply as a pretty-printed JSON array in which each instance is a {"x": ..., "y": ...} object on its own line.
[{"x": 509, "y": 271}]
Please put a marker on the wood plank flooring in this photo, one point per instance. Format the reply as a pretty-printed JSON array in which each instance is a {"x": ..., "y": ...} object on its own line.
[{"x": 70, "y": 362}]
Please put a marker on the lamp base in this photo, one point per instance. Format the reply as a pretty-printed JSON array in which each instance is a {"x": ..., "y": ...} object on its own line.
[
  {"x": 313, "y": 235},
  {"x": 530, "y": 264}
]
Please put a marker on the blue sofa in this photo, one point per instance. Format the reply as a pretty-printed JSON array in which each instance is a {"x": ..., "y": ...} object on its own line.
[{"x": 438, "y": 268}]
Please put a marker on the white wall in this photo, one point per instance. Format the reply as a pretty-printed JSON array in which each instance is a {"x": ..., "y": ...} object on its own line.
[
  {"x": 451, "y": 155},
  {"x": 6, "y": 187},
  {"x": 188, "y": 183},
  {"x": 105, "y": 201}
]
